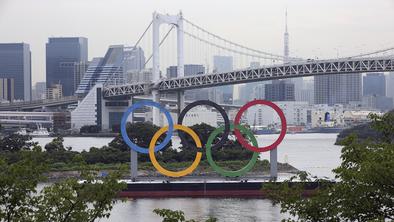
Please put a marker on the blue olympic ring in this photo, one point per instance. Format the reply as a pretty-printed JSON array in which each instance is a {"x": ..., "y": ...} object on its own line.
[{"x": 124, "y": 122}]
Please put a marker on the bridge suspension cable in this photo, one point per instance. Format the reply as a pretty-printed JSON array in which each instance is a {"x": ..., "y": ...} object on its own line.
[
  {"x": 117, "y": 76},
  {"x": 161, "y": 42},
  {"x": 228, "y": 49},
  {"x": 371, "y": 53},
  {"x": 267, "y": 55},
  {"x": 143, "y": 34}
]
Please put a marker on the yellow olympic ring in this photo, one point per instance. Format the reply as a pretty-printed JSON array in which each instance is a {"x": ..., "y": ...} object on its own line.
[{"x": 169, "y": 173}]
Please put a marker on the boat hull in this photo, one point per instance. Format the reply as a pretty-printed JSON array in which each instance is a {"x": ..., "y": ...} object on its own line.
[{"x": 201, "y": 189}]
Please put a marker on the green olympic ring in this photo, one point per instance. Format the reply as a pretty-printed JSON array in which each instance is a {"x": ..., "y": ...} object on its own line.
[{"x": 229, "y": 173}]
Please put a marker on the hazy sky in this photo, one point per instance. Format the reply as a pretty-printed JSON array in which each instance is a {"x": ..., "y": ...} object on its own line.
[{"x": 317, "y": 28}]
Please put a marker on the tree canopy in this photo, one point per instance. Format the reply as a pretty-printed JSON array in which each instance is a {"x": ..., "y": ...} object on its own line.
[
  {"x": 364, "y": 190},
  {"x": 90, "y": 129},
  {"x": 66, "y": 200},
  {"x": 141, "y": 133},
  {"x": 55, "y": 145},
  {"x": 16, "y": 142}
]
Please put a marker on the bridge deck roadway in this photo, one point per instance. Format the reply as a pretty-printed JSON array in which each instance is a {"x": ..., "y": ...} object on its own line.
[
  {"x": 36, "y": 104},
  {"x": 283, "y": 71}
]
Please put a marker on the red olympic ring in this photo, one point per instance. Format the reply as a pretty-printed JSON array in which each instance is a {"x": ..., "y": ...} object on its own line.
[{"x": 242, "y": 140}]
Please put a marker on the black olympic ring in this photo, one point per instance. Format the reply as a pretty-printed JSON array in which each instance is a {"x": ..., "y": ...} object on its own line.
[{"x": 218, "y": 108}]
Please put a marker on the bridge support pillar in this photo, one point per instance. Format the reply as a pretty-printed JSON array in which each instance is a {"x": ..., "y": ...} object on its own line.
[
  {"x": 274, "y": 164},
  {"x": 180, "y": 53}
]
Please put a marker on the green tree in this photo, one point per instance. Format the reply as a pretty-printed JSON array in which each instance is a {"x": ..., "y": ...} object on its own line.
[
  {"x": 16, "y": 142},
  {"x": 67, "y": 200},
  {"x": 140, "y": 133},
  {"x": 18, "y": 183},
  {"x": 90, "y": 129},
  {"x": 365, "y": 187},
  {"x": 55, "y": 145},
  {"x": 57, "y": 153},
  {"x": 73, "y": 200},
  {"x": 106, "y": 155},
  {"x": 368, "y": 131},
  {"x": 203, "y": 131},
  {"x": 384, "y": 125},
  {"x": 230, "y": 150},
  {"x": 176, "y": 216}
]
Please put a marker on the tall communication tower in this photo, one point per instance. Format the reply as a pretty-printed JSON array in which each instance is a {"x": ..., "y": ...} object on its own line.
[{"x": 286, "y": 41}]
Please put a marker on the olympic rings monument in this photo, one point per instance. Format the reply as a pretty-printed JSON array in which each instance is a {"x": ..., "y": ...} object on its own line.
[
  {"x": 102, "y": 107},
  {"x": 236, "y": 127}
]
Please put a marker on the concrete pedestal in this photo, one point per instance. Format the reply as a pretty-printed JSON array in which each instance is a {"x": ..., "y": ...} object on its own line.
[{"x": 133, "y": 156}]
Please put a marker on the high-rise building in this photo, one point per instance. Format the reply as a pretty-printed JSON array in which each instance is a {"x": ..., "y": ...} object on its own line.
[
  {"x": 224, "y": 64},
  {"x": 193, "y": 69},
  {"x": 118, "y": 61},
  {"x": 141, "y": 76},
  {"x": 353, "y": 87},
  {"x": 97, "y": 72},
  {"x": 279, "y": 90},
  {"x": 239, "y": 93},
  {"x": 259, "y": 91},
  {"x": 298, "y": 88},
  {"x": 172, "y": 72},
  {"x": 133, "y": 59},
  {"x": 79, "y": 71},
  {"x": 15, "y": 63},
  {"x": 374, "y": 92},
  {"x": 294, "y": 111},
  {"x": 214, "y": 94},
  {"x": 39, "y": 91},
  {"x": 337, "y": 89},
  {"x": 250, "y": 91},
  {"x": 62, "y": 57},
  {"x": 382, "y": 103},
  {"x": 390, "y": 85},
  {"x": 306, "y": 93},
  {"x": 7, "y": 89},
  {"x": 55, "y": 91},
  {"x": 374, "y": 84},
  {"x": 190, "y": 70}
]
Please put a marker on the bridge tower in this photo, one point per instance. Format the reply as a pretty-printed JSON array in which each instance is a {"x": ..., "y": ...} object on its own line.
[{"x": 177, "y": 21}]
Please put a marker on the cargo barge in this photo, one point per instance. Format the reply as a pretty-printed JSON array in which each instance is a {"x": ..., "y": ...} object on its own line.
[{"x": 209, "y": 189}]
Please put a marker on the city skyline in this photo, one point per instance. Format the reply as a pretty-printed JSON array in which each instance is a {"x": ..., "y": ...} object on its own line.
[{"x": 346, "y": 19}]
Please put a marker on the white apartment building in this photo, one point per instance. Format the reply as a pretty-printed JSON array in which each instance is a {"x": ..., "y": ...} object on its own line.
[
  {"x": 323, "y": 115},
  {"x": 295, "y": 113}
]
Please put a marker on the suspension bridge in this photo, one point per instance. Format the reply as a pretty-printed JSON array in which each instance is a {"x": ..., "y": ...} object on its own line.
[{"x": 195, "y": 44}]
